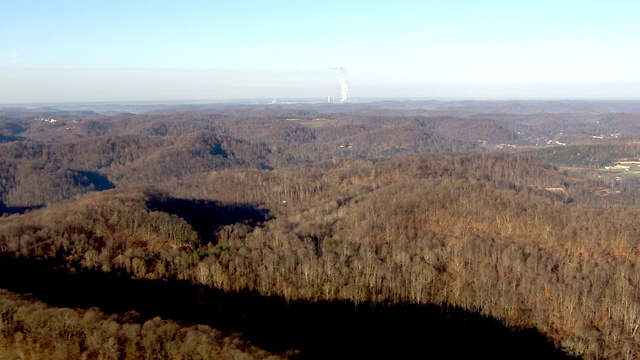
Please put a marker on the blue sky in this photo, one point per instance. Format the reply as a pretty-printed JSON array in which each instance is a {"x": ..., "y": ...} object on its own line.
[{"x": 68, "y": 51}]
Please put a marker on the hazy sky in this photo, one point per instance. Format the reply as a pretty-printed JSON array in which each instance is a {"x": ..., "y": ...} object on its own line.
[{"x": 90, "y": 50}]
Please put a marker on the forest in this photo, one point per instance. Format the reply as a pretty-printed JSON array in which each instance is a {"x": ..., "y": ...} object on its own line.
[{"x": 316, "y": 231}]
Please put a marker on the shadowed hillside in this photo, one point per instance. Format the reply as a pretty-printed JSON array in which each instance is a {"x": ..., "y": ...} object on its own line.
[{"x": 321, "y": 330}]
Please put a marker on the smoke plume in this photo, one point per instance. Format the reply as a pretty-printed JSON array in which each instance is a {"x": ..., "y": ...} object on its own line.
[
  {"x": 344, "y": 85},
  {"x": 344, "y": 90}
]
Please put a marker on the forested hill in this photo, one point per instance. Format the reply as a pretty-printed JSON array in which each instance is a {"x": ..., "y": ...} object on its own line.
[
  {"x": 47, "y": 159},
  {"x": 477, "y": 232},
  {"x": 251, "y": 216},
  {"x": 36, "y": 173}
]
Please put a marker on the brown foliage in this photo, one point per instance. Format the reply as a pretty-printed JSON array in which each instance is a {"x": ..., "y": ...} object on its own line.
[
  {"x": 32, "y": 330},
  {"x": 478, "y": 231}
]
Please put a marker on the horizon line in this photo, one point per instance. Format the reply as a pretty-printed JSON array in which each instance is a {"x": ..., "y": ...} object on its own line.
[{"x": 313, "y": 100}]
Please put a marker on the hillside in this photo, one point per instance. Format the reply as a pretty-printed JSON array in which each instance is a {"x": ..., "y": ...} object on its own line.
[
  {"x": 254, "y": 221},
  {"x": 438, "y": 242}
]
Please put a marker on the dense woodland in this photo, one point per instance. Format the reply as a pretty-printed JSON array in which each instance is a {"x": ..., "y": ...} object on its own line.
[{"x": 498, "y": 209}]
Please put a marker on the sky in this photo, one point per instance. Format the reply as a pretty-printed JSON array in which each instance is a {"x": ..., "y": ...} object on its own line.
[{"x": 183, "y": 50}]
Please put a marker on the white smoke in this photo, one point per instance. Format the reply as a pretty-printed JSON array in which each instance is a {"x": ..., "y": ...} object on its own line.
[
  {"x": 344, "y": 85},
  {"x": 344, "y": 90}
]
